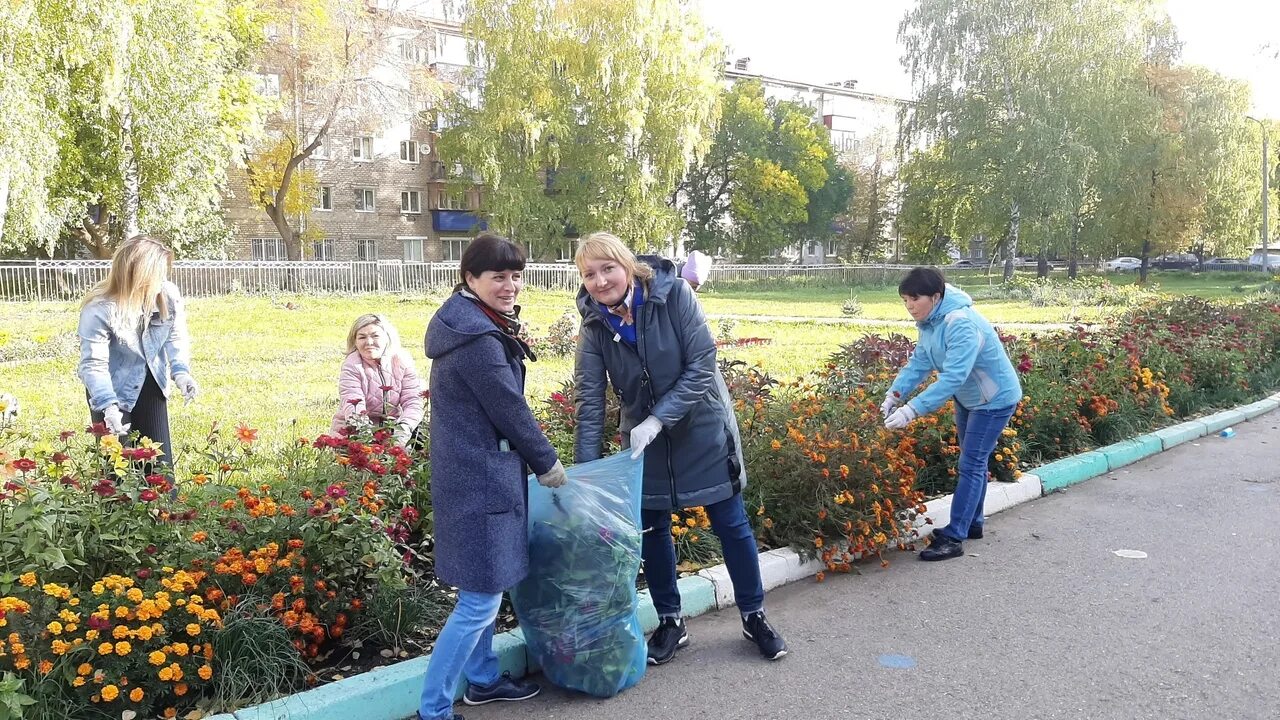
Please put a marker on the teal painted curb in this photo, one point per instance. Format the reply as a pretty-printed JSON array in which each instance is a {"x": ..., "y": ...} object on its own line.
[
  {"x": 1181, "y": 433},
  {"x": 1069, "y": 471},
  {"x": 386, "y": 692},
  {"x": 1127, "y": 452},
  {"x": 1222, "y": 420},
  {"x": 697, "y": 595},
  {"x": 1262, "y": 407}
]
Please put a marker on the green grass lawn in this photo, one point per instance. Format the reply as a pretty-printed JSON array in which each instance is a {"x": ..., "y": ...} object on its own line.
[{"x": 272, "y": 361}]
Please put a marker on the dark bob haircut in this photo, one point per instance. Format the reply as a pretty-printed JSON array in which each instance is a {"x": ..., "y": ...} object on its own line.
[
  {"x": 490, "y": 252},
  {"x": 923, "y": 281}
]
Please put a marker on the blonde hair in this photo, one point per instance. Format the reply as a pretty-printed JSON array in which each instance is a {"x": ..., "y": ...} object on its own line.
[
  {"x": 393, "y": 351},
  {"x": 139, "y": 268},
  {"x": 607, "y": 246}
]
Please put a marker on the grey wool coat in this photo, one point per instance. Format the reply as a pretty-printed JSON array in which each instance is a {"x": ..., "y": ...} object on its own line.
[
  {"x": 671, "y": 373},
  {"x": 479, "y": 493}
]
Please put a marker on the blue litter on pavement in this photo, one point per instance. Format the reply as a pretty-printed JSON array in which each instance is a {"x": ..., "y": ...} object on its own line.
[
  {"x": 897, "y": 662},
  {"x": 1227, "y": 433}
]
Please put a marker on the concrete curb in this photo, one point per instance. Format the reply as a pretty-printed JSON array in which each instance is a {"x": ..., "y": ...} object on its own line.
[{"x": 391, "y": 692}]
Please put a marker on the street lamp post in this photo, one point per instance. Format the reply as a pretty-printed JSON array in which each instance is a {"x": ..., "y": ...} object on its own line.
[{"x": 1266, "y": 193}]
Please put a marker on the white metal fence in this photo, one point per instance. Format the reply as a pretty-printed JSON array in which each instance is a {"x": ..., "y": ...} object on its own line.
[{"x": 70, "y": 279}]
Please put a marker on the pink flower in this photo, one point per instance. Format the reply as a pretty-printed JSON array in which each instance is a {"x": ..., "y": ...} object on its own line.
[
  {"x": 336, "y": 491},
  {"x": 24, "y": 465},
  {"x": 65, "y": 435}
]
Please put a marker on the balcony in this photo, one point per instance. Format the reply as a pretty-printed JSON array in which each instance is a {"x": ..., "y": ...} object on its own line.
[{"x": 456, "y": 221}]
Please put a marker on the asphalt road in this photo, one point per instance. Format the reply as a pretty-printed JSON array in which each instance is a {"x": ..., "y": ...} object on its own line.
[{"x": 1040, "y": 620}]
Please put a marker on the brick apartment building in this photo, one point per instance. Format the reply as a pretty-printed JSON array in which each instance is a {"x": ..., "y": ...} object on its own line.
[{"x": 381, "y": 190}]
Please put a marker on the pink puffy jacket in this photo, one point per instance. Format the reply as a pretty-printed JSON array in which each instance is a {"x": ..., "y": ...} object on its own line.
[{"x": 363, "y": 382}]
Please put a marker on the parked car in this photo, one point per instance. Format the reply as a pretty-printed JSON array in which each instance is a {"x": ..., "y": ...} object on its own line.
[
  {"x": 1218, "y": 262},
  {"x": 965, "y": 263},
  {"x": 1273, "y": 259},
  {"x": 1176, "y": 261},
  {"x": 1122, "y": 264}
]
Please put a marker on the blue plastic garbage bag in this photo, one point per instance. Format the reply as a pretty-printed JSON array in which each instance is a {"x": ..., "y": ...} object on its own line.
[{"x": 577, "y": 607}]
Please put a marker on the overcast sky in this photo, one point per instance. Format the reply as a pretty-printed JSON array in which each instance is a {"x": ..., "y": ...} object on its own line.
[{"x": 830, "y": 40}]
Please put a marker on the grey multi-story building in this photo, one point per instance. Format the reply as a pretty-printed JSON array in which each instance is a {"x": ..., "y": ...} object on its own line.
[{"x": 380, "y": 186}]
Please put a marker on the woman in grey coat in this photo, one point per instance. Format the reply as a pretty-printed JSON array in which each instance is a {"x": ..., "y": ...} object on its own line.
[
  {"x": 643, "y": 330},
  {"x": 483, "y": 435}
]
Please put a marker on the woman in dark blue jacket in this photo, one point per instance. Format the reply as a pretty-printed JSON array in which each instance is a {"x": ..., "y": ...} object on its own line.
[
  {"x": 643, "y": 330},
  {"x": 483, "y": 434}
]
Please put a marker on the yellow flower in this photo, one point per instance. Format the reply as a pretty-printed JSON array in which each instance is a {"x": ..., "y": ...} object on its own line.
[
  {"x": 157, "y": 658},
  {"x": 110, "y": 693},
  {"x": 45, "y": 667},
  {"x": 27, "y": 579},
  {"x": 193, "y": 629},
  {"x": 123, "y": 648},
  {"x": 55, "y": 627},
  {"x": 120, "y": 632},
  {"x": 165, "y": 674},
  {"x": 106, "y": 648},
  {"x": 134, "y": 595},
  {"x": 180, "y": 649},
  {"x": 60, "y": 648},
  {"x": 776, "y": 445},
  {"x": 84, "y": 669},
  {"x": 78, "y": 682},
  {"x": 54, "y": 590},
  {"x": 136, "y": 694},
  {"x": 205, "y": 672}
]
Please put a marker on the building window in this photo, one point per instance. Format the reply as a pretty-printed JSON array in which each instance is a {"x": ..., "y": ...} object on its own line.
[
  {"x": 409, "y": 151},
  {"x": 268, "y": 249},
  {"x": 564, "y": 252},
  {"x": 454, "y": 247},
  {"x": 322, "y": 249},
  {"x": 411, "y": 51},
  {"x": 410, "y": 201},
  {"x": 364, "y": 200},
  {"x": 269, "y": 85},
  {"x": 324, "y": 197},
  {"x": 322, "y": 150},
  {"x": 367, "y": 250},
  {"x": 362, "y": 148},
  {"x": 454, "y": 200},
  {"x": 413, "y": 249}
]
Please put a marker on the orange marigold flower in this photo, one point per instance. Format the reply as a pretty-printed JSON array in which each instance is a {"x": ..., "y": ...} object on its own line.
[
  {"x": 110, "y": 693},
  {"x": 205, "y": 672},
  {"x": 136, "y": 694}
]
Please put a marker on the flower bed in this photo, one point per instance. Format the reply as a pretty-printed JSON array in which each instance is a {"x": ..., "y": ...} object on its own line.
[{"x": 121, "y": 597}]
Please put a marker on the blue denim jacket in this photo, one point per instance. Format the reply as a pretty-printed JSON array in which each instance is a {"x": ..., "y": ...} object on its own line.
[{"x": 113, "y": 368}]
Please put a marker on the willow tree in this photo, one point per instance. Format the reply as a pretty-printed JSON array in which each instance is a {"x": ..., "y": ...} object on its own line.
[{"x": 584, "y": 114}]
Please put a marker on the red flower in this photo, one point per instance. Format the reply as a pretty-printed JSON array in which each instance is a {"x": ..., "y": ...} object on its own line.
[
  {"x": 355, "y": 401},
  {"x": 65, "y": 435},
  {"x": 143, "y": 573},
  {"x": 409, "y": 514},
  {"x": 99, "y": 429},
  {"x": 59, "y": 457},
  {"x": 148, "y": 495},
  {"x": 426, "y": 394},
  {"x": 336, "y": 491},
  {"x": 105, "y": 488},
  {"x": 24, "y": 464}
]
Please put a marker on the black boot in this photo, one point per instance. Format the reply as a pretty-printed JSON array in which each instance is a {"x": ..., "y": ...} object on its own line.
[
  {"x": 670, "y": 636},
  {"x": 942, "y": 548}
]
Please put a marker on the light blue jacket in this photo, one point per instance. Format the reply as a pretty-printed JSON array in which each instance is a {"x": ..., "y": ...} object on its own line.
[
  {"x": 113, "y": 367},
  {"x": 968, "y": 355}
]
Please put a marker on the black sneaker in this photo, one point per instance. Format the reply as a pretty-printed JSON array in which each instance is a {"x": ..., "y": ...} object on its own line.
[
  {"x": 670, "y": 636},
  {"x": 454, "y": 716},
  {"x": 942, "y": 548},
  {"x": 506, "y": 689},
  {"x": 975, "y": 531},
  {"x": 757, "y": 629}
]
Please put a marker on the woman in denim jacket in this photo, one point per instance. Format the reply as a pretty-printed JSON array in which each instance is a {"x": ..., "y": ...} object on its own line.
[{"x": 133, "y": 339}]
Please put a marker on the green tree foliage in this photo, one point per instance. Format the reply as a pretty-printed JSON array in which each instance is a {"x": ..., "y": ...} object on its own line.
[
  {"x": 770, "y": 179},
  {"x": 120, "y": 116},
  {"x": 584, "y": 114}
]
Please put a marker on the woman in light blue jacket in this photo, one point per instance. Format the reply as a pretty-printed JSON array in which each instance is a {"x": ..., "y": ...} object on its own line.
[
  {"x": 133, "y": 339},
  {"x": 974, "y": 370}
]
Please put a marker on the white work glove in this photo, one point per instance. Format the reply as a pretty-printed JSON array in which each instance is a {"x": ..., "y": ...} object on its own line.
[
  {"x": 643, "y": 434},
  {"x": 187, "y": 385},
  {"x": 890, "y": 402},
  {"x": 401, "y": 435},
  {"x": 554, "y": 477},
  {"x": 113, "y": 417},
  {"x": 900, "y": 417}
]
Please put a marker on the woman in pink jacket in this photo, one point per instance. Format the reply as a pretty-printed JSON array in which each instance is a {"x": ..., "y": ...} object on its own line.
[{"x": 378, "y": 380}]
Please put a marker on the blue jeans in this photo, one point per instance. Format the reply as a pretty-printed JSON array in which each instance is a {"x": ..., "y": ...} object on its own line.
[
  {"x": 741, "y": 557},
  {"x": 465, "y": 646},
  {"x": 978, "y": 432}
]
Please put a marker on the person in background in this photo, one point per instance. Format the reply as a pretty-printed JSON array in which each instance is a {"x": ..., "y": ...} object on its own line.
[
  {"x": 378, "y": 381},
  {"x": 696, "y": 269},
  {"x": 643, "y": 329},
  {"x": 483, "y": 434},
  {"x": 133, "y": 341},
  {"x": 974, "y": 370}
]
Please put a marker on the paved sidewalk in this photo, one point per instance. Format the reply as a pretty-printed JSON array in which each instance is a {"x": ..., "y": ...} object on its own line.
[{"x": 1041, "y": 620}]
